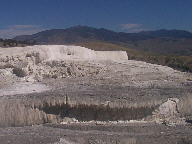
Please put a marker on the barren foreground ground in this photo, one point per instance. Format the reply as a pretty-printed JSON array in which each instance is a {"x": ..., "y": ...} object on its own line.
[{"x": 96, "y": 134}]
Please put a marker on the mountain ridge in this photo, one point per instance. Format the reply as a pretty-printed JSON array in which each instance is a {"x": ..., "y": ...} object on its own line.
[
  {"x": 160, "y": 41},
  {"x": 83, "y": 30}
]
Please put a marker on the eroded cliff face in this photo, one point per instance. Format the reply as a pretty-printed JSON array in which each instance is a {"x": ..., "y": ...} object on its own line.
[
  {"x": 15, "y": 113},
  {"x": 46, "y": 84},
  {"x": 55, "y": 110},
  {"x": 20, "y": 112}
]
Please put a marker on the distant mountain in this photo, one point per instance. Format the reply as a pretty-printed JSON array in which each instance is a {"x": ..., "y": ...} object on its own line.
[
  {"x": 84, "y": 33},
  {"x": 163, "y": 33},
  {"x": 163, "y": 41},
  {"x": 70, "y": 35}
]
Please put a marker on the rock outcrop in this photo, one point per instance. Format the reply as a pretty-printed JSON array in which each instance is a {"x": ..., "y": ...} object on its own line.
[
  {"x": 168, "y": 113},
  {"x": 34, "y": 63}
]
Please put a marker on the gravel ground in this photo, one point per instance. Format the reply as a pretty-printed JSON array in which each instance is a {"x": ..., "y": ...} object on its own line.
[
  {"x": 97, "y": 134},
  {"x": 23, "y": 88}
]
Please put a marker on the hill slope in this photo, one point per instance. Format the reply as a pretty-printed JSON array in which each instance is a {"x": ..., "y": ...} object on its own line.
[{"x": 182, "y": 63}]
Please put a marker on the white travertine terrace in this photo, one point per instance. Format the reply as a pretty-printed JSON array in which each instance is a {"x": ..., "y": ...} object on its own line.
[{"x": 64, "y": 52}]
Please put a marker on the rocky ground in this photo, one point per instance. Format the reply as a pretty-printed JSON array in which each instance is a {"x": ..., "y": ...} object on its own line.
[
  {"x": 97, "y": 134},
  {"x": 56, "y": 95}
]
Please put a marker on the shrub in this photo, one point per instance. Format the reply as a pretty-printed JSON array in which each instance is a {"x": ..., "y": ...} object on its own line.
[{"x": 19, "y": 72}]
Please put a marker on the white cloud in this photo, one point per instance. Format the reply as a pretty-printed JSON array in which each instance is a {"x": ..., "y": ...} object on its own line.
[
  {"x": 15, "y": 30},
  {"x": 131, "y": 27}
]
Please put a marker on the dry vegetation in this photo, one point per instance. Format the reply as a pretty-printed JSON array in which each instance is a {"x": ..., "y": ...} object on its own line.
[
  {"x": 182, "y": 63},
  {"x": 13, "y": 43},
  {"x": 185, "y": 106}
]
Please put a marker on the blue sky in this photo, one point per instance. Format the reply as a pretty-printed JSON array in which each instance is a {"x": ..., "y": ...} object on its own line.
[{"x": 30, "y": 16}]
